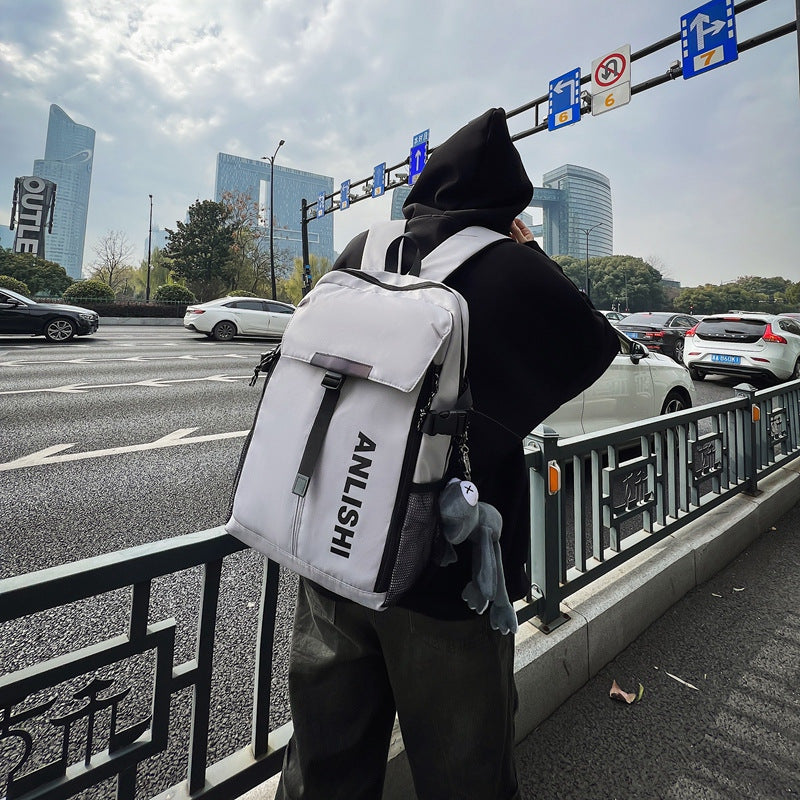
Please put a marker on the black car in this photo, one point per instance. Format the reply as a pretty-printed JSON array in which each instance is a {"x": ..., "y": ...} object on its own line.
[
  {"x": 57, "y": 323},
  {"x": 661, "y": 331}
]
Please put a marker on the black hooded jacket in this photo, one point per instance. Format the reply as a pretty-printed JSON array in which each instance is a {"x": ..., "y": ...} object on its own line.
[{"x": 534, "y": 339}]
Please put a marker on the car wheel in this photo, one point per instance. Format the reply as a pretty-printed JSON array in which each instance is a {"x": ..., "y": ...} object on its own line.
[
  {"x": 60, "y": 329},
  {"x": 696, "y": 375},
  {"x": 796, "y": 371},
  {"x": 224, "y": 331},
  {"x": 675, "y": 401},
  {"x": 678, "y": 352}
]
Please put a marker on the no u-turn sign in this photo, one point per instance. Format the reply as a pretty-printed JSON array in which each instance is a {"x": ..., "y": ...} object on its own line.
[{"x": 611, "y": 80}]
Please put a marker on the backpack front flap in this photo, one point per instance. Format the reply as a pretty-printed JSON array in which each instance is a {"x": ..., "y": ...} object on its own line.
[{"x": 386, "y": 347}]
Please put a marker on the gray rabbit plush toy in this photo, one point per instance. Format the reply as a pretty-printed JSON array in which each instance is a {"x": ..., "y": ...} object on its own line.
[{"x": 465, "y": 518}]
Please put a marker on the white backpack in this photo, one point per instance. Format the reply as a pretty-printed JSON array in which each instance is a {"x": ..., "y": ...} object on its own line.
[{"x": 342, "y": 469}]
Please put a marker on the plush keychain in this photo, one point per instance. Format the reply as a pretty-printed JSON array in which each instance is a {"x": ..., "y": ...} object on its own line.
[{"x": 465, "y": 518}]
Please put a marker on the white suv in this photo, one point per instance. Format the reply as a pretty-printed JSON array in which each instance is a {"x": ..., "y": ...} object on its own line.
[{"x": 746, "y": 344}]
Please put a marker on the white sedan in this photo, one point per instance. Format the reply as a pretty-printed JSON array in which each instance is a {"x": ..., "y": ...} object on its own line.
[
  {"x": 638, "y": 385},
  {"x": 238, "y": 316}
]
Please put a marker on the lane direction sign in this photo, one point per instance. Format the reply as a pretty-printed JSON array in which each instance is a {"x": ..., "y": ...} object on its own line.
[
  {"x": 564, "y": 100},
  {"x": 379, "y": 180},
  {"x": 416, "y": 161},
  {"x": 344, "y": 195},
  {"x": 708, "y": 37},
  {"x": 611, "y": 80},
  {"x": 321, "y": 204}
]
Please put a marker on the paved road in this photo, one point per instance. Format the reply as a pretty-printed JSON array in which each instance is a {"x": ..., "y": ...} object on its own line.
[{"x": 736, "y": 639}]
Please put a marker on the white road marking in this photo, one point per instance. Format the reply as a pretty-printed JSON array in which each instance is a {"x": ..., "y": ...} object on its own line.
[
  {"x": 50, "y": 455},
  {"x": 78, "y": 388},
  {"x": 18, "y": 363}
]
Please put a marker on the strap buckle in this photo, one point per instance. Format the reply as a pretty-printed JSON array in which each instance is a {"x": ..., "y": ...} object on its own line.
[
  {"x": 333, "y": 380},
  {"x": 451, "y": 423}
]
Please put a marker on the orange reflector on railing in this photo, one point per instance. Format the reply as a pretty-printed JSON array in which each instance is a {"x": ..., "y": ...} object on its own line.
[
  {"x": 756, "y": 413},
  {"x": 553, "y": 477}
]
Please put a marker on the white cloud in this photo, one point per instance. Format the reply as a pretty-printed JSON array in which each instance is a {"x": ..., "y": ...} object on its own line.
[{"x": 704, "y": 172}]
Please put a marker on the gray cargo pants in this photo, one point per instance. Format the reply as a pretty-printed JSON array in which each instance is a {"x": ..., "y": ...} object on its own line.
[{"x": 451, "y": 682}]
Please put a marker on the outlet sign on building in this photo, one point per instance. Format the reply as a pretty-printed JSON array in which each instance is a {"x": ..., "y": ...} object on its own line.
[
  {"x": 611, "y": 80},
  {"x": 32, "y": 209},
  {"x": 708, "y": 37}
]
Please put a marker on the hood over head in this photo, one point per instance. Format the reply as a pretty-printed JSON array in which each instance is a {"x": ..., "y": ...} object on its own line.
[{"x": 475, "y": 177}]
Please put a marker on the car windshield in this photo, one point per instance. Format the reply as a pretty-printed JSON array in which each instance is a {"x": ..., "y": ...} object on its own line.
[
  {"x": 732, "y": 326},
  {"x": 646, "y": 319},
  {"x": 17, "y": 296}
]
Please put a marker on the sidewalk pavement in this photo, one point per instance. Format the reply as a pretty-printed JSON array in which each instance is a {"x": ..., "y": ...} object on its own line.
[{"x": 720, "y": 714}]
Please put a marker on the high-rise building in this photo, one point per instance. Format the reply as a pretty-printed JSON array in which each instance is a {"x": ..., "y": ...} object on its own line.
[
  {"x": 249, "y": 177},
  {"x": 68, "y": 156},
  {"x": 157, "y": 238},
  {"x": 575, "y": 200}
]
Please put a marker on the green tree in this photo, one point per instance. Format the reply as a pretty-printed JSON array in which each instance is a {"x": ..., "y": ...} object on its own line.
[
  {"x": 625, "y": 280},
  {"x": 792, "y": 297},
  {"x": 160, "y": 273},
  {"x": 89, "y": 289},
  {"x": 200, "y": 249},
  {"x": 41, "y": 276},
  {"x": 290, "y": 289},
  {"x": 7, "y": 282},
  {"x": 174, "y": 293}
]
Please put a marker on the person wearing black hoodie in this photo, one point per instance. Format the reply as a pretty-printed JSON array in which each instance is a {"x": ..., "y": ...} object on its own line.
[{"x": 438, "y": 665}]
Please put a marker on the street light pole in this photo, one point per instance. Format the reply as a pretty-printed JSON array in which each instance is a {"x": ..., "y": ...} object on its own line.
[
  {"x": 149, "y": 250},
  {"x": 271, "y": 200},
  {"x": 587, "y": 231}
]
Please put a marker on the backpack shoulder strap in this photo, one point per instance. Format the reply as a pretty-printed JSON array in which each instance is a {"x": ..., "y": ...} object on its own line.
[
  {"x": 379, "y": 237},
  {"x": 455, "y": 250}
]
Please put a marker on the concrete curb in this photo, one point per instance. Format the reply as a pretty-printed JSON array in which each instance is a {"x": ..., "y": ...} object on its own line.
[
  {"x": 140, "y": 321},
  {"x": 605, "y": 617}
]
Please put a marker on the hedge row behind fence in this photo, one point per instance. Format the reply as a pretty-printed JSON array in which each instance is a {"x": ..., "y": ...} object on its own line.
[{"x": 125, "y": 308}]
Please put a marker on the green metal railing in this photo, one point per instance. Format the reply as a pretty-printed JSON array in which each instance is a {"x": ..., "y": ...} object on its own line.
[
  {"x": 627, "y": 489},
  {"x": 631, "y": 486}
]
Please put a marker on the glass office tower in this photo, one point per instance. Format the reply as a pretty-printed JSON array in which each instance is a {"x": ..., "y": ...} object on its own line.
[
  {"x": 67, "y": 161},
  {"x": 250, "y": 177},
  {"x": 583, "y": 202}
]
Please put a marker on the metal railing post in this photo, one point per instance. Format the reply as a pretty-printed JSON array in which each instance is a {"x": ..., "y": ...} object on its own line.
[
  {"x": 750, "y": 416},
  {"x": 545, "y": 486}
]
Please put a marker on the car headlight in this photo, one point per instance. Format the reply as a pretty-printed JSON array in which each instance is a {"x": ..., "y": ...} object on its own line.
[{"x": 89, "y": 316}]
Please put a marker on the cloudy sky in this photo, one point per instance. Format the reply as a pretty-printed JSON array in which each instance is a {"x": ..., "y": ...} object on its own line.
[{"x": 705, "y": 173}]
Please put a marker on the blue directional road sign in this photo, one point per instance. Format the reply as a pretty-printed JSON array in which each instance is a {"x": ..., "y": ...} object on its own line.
[
  {"x": 416, "y": 161},
  {"x": 321, "y": 204},
  {"x": 564, "y": 100},
  {"x": 708, "y": 37},
  {"x": 379, "y": 180},
  {"x": 344, "y": 195}
]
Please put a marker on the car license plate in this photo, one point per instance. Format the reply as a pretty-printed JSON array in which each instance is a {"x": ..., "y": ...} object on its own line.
[{"x": 718, "y": 358}]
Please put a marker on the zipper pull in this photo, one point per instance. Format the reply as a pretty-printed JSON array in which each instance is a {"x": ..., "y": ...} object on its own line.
[{"x": 423, "y": 412}]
